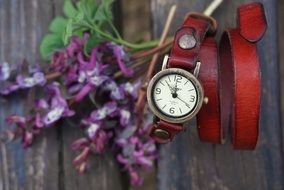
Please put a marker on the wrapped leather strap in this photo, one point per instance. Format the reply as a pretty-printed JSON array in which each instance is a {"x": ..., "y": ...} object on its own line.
[
  {"x": 164, "y": 132},
  {"x": 194, "y": 25},
  {"x": 240, "y": 77},
  {"x": 208, "y": 118}
]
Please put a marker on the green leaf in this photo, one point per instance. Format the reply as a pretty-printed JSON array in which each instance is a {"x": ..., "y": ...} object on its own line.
[
  {"x": 68, "y": 31},
  {"x": 58, "y": 25},
  {"x": 69, "y": 10},
  {"x": 49, "y": 44},
  {"x": 104, "y": 11},
  {"x": 92, "y": 42},
  {"x": 79, "y": 17}
]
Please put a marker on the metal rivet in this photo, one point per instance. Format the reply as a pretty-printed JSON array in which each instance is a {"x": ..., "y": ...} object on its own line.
[
  {"x": 162, "y": 134},
  {"x": 187, "y": 41}
]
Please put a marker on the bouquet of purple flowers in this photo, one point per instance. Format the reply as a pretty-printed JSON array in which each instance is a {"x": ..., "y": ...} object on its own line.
[{"x": 94, "y": 68}]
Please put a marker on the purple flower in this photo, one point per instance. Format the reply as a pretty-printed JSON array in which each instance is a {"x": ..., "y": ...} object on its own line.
[
  {"x": 92, "y": 130},
  {"x": 80, "y": 161},
  {"x": 119, "y": 54},
  {"x": 27, "y": 139},
  {"x": 107, "y": 110},
  {"x": 59, "y": 61},
  {"x": 5, "y": 71},
  {"x": 124, "y": 117},
  {"x": 112, "y": 123},
  {"x": 117, "y": 93},
  {"x": 41, "y": 104},
  {"x": 89, "y": 75},
  {"x": 19, "y": 120},
  {"x": 35, "y": 77},
  {"x": 135, "y": 178},
  {"x": 100, "y": 141},
  {"x": 53, "y": 115},
  {"x": 76, "y": 45},
  {"x": 131, "y": 89},
  {"x": 58, "y": 107},
  {"x": 29, "y": 82},
  {"x": 80, "y": 144},
  {"x": 84, "y": 91},
  {"x": 8, "y": 88}
]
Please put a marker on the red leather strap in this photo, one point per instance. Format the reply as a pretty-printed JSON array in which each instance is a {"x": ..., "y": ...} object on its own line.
[
  {"x": 208, "y": 118},
  {"x": 197, "y": 26},
  {"x": 240, "y": 89},
  {"x": 240, "y": 77},
  {"x": 252, "y": 21},
  {"x": 168, "y": 129}
]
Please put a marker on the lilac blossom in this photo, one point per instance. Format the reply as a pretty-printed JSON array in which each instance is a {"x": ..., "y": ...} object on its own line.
[
  {"x": 120, "y": 55},
  {"x": 35, "y": 77},
  {"x": 48, "y": 111},
  {"x": 112, "y": 124},
  {"x": 5, "y": 71},
  {"x": 134, "y": 148},
  {"x": 58, "y": 106}
]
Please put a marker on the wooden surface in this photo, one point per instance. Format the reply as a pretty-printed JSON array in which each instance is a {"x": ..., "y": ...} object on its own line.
[
  {"x": 189, "y": 164},
  {"x": 281, "y": 47},
  {"x": 48, "y": 165},
  {"x": 186, "y": 163}
]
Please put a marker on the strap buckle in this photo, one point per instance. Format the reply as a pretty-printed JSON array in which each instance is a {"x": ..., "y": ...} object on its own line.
[{"x": 211, "y": 20}]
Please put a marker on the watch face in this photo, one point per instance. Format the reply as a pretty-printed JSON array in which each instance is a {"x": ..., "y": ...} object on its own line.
[{"x": 175, "y": 95}]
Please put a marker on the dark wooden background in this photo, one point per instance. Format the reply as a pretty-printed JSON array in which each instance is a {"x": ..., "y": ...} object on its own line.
[{"x": 184, "y": 164}]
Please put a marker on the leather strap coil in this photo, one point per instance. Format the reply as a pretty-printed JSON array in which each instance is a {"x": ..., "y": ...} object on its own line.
[
  {"x": 240, "y": 77},
  {"x": 208, "y": 118}
]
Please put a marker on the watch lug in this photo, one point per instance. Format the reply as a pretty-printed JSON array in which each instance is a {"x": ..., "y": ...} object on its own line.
[
  {"x": 165, "y": 62},
  {"x": 197, "y": 69}
]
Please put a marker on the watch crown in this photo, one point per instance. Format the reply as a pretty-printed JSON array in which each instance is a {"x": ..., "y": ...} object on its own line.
[{"x": 205, "y": 100}]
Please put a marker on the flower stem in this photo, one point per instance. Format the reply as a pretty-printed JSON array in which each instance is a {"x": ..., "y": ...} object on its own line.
[{"x": 144, "y": 45}]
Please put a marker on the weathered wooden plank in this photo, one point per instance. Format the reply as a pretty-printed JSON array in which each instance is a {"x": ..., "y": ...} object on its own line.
[
  {"x": 189, "y": 164},
  {"x": 281, "y": 46},
  {"x": 48, "y": 165},
  {"x": 22, "y": 25},
  {"x": 103, "y": 172}
]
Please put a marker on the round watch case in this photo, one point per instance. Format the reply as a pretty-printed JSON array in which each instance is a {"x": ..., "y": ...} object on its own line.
[{"x": 189, "y": 76}]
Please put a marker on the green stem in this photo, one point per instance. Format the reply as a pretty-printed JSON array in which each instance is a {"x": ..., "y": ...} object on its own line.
[
  {"x": 120, "y": 41},
  {"x": 114, "y": 30}
]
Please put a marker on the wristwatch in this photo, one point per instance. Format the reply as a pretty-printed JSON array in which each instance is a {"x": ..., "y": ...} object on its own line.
[{"x": 175, "y": 94}]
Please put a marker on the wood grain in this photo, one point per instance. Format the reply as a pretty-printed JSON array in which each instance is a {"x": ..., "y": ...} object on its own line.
[
  {"x": 48, "y": 164},
  {"x": 22, "y": 25},
  {"x": 184, "y": 164},
  {"x": 189, "y": 164},
  {"x": 103, "y": 171},
  {"x": 281, "y": 47}
]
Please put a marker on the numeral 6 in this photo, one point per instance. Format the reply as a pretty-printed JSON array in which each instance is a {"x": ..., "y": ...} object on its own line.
[{"x": 172, "y": 110}]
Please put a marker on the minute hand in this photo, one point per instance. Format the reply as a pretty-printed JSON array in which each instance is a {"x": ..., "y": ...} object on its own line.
[
  {"x": 184, "y": 102},
  {"x": 171, "y": 88}
]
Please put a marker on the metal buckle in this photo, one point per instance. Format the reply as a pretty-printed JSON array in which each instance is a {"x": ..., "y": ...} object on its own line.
[
  {"x": 197, "y": 69},
  {"x": 165, "y": 62}
]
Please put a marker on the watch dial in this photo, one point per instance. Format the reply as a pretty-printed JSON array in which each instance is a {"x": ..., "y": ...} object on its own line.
[{"x": 174, "y": 95}]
